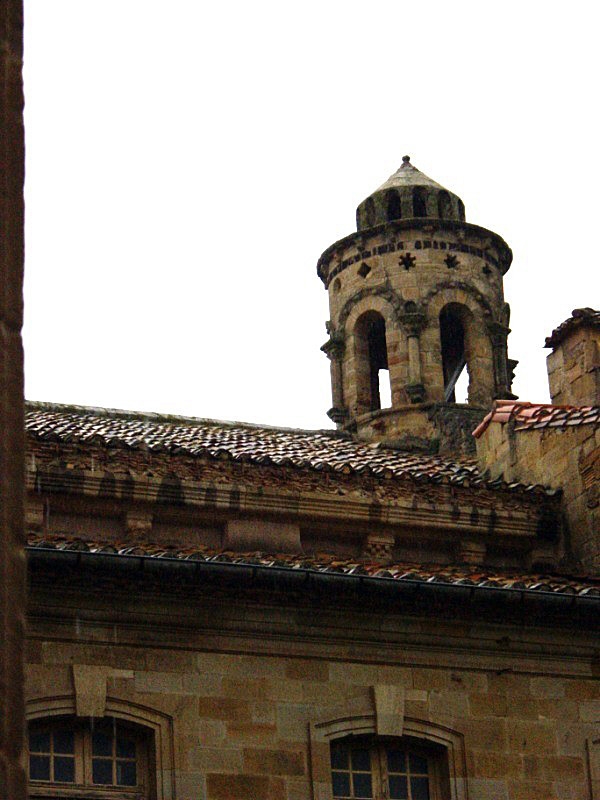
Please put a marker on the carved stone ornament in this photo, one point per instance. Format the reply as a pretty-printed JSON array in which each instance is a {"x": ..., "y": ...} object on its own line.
[
  {"x": 416, "y": 392},
  {"x": 334, "y": 346}
]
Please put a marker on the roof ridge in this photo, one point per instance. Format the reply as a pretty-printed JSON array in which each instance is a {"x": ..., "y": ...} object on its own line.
[{"x": 161, "y": 417}]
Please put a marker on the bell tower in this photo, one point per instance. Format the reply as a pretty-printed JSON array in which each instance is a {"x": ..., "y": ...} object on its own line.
[{"x": 416, "y": 308}]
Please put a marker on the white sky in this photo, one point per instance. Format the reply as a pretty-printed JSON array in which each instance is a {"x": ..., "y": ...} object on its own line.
[{"x": 188, "y": 162}]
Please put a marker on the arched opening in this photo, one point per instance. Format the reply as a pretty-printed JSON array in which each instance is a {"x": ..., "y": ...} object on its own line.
[
  {"x": 461, "y": 211},
  {"x": 393, "y": 205},
  {"x": 372, "y": 367},
  {"x": 444, "y": 206},
  {"x": 419, "y": 201},
  {"x": 454, "y": 357}
]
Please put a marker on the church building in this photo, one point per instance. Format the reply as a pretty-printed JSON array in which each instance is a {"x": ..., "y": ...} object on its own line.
[{"x": 404, "y": 607}]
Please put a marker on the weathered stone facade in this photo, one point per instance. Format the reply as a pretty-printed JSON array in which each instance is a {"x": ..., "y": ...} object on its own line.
[{"x": 221, "y": 611}]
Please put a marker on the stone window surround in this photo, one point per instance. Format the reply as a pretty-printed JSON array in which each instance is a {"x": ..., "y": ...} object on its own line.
[
  {"x": 159, "y": 725},
  {"x": 381, "y": 714}
]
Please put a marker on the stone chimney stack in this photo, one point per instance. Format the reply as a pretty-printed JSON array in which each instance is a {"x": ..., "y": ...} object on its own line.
[{"x": 574, "y": 363}]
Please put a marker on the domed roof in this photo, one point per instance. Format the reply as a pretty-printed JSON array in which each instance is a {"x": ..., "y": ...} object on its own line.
[
  {"x": 408, "y": 175},
  {"x": 408, "y": 194}
]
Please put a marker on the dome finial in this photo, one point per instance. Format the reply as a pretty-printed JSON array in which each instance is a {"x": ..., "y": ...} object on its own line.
[{"x": 406, "y": 159}]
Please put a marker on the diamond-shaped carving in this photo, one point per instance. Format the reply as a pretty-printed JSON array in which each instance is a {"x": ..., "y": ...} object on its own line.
[{"x": 364, "y": 270}]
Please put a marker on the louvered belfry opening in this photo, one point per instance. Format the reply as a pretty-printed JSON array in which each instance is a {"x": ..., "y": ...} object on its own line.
[
  {"x": 371, "y": 351},
  {"x": 454, "y": 360}
]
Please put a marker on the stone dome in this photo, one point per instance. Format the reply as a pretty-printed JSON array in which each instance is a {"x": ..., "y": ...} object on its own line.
[{"x": 408, "y": 194}]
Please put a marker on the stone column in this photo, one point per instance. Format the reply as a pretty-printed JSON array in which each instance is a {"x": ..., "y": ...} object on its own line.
[
  {"x": 12, "y": 462},
  {"x": 334, "y": 349},
  {"x": 498, "y": 336},
  {"x": 413, "y": 322}
]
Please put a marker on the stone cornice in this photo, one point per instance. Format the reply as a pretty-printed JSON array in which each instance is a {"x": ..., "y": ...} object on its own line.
[
  {"x": 361, "y": 239},
  {"x": 438, "y": 513}
]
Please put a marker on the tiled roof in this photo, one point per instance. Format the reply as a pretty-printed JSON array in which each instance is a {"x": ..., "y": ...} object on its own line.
[
  {"x": 532, "y": 416},
  {"x": 457, "y": 575},
  {"x": 324, "y": 450},
  {"x": 579, "y": 317}
]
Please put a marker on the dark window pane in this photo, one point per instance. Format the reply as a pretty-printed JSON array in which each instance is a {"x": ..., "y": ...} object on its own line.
[
  {"x": 125, "y": 747},
  {"x": 126, "y": 773},
  {"x": 64, "y": 742},
  {"x": 102, "y": 771},
  {"x": 417, "y": 764},
  {"x": 101, "y": 743},
  {"x": 339, "y": 757},
  {"x": 396, "y": 760},
  {"x": 341, "y": 784},
  {"x": 361, "y": 759},
  {"x": 39, "y": 742},
  {"x": 398, "y": 787},
  {"x": 39, "y": 768},
  {"x": 419, "y": 788},
  {"x": 64, "y": 769},
  {"x": 362, "y": 785}
]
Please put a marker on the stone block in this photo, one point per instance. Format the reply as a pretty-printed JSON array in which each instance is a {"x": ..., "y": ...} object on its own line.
[
  {"x": 224, "y": 708},
  {"x": 274, "y": 762},
  {"x": 161, "y": 682},
  {"x": 532, "y": 737},
  {"x": 244, "y": 787},
  {"x": 260, "y": 534},
  {"x": 307, "y": 670}
]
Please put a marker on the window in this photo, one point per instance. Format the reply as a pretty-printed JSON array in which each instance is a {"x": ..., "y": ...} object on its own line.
[
  {"x": 88, "y": 758},
  {"x": 371, "y": 352},
  {"x": 398, "y": 769},
  {"x": 393, "y": 204},
  {"x": 454, "y": 359},
  {"x": 419, "y": 202}
]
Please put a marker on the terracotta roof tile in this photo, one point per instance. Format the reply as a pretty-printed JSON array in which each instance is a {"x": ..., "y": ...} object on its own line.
[
  {"x": 579, "y": 317},
  {"x": 532, "y": 416},
  {"x": 453, "y": 574},
  {"x": 320, "y": 450}
]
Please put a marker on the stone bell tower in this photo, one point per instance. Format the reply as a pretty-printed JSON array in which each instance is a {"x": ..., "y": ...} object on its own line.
[{"x": 416, "y": 300}]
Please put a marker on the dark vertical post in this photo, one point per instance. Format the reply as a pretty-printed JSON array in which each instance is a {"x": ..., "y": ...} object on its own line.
[{"x": 12, "y": 564}]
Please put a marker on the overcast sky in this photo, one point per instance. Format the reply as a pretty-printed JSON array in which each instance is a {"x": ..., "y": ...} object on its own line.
[{"x": 188, "y": 162}]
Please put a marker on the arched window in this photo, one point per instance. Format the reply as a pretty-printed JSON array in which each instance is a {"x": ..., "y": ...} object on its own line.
[
  {"x": 461, "y": 211},
  {"x": 393, "y": 205},
  {"x": 444, "y": 206},
  {"x": 394, "y": 768},
  {"x": 454, "y": 357},
  {"x": 371, "y": 353},
  {"x": 75, "y": 757},
  {"x": 419, "y": 201}
]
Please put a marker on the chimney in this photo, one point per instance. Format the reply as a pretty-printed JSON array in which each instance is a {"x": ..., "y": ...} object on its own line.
[{"x": 574, "y": 363}]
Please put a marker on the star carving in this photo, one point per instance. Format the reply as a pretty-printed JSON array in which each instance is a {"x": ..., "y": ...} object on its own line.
[
  {"x": 407, "y": 261},
  {"x": 451, "y": 261}
]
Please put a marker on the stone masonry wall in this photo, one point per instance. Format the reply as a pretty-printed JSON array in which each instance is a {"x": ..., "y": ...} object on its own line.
[
  {"x": 521, "y": 706},
  {"x": 12, "y": 578},
  {"x": 574, "y": 368},
  {"x": 562, "y": 458}
]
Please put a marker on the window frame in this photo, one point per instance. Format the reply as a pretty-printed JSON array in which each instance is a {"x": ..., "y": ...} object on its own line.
[
  {"x": 157, "y": 725},
  {"x": 381, "y": 713},
  {"x": 380, "y": 772},
  {"x": 83, "y": 786}
]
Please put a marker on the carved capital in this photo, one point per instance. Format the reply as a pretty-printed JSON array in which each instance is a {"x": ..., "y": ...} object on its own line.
[
  {"x": 413, "y": 320},
  {"x": 498, "y": 333},
  {"x": 334, "y": 346},
  {"x": 337, "y": 415},
  {"x": 416, "y": 392}
]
